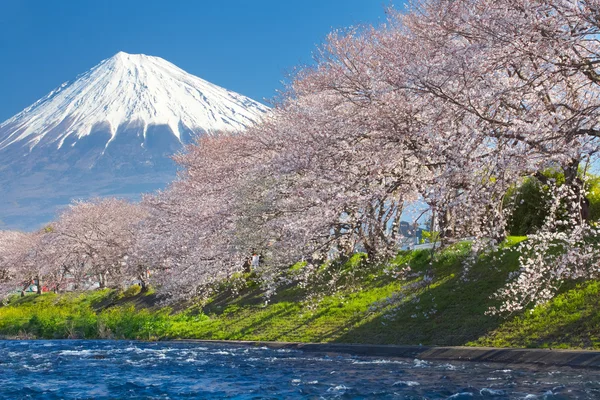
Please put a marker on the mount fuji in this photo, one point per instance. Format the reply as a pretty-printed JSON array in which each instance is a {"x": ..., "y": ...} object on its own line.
[{"x": 111, "y": 131}]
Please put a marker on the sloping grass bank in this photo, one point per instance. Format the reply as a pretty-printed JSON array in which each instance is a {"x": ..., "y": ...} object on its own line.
[{"x": 395, "y": 303}]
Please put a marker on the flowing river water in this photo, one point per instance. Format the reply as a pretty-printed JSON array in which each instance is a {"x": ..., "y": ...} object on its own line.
[{"x": 171, "y": 370}]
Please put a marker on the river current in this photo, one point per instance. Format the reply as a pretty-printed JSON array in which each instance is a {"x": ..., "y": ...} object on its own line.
[{"x": 171, "y": 370}]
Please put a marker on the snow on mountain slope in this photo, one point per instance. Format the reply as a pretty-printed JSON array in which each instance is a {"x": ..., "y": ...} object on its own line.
[
  {"x": 130, "y": 88},
  {"x": 110, "y": 132}
]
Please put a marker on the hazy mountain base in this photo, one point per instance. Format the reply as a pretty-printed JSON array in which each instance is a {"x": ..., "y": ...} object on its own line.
[
  {"x": 36, "y": 185},
  {"x": 375, "y": 305}
]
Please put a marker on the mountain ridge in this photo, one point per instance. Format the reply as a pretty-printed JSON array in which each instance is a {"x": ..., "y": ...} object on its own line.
[{"x": 126, "y": 88}]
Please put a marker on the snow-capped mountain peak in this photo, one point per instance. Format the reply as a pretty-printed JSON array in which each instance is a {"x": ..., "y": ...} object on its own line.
[
  {"x": 110, "y": 132},
  {"x": 129, "y": 90}
]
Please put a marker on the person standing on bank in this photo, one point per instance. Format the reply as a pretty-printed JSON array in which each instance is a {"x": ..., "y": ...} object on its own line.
[{"x": 255, "y": 260}]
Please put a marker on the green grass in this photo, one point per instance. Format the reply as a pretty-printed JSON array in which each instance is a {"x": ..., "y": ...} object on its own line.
[
  {"x": 571, "y": 320},
  {"x": 377, "y": 304},
  {"x": 105, "y": 314},
  {"x": 447, "y": 312}
]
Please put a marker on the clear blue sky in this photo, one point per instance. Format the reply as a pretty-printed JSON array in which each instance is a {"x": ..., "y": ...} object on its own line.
[{"x": 245, "y": 46}]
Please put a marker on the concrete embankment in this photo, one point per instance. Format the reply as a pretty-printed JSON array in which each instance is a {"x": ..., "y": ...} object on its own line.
[{"x": 547, "y": 357}]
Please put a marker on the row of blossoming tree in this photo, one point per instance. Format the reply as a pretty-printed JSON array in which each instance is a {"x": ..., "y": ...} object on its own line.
[{"x": 449, "y": 105}]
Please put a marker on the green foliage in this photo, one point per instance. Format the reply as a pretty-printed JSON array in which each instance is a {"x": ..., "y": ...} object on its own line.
[
  {"x": 529, "y": 207},
  {"x": 298, "y": 266},
  {"x": 513, "y": 240},
  {"x": 131, "y": 291},
  {"x": 529, "y": 201},
  {"x": 594, "y": 196},
  {"x": 51, "y": 316},
  {"x": 431, "y": 237}
]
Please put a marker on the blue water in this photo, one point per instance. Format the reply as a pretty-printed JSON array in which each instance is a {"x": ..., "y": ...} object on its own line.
[{"x": 139, "y": 370}]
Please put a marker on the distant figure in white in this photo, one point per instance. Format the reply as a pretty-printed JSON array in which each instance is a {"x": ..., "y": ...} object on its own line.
[{"x": 255, "y": 261}]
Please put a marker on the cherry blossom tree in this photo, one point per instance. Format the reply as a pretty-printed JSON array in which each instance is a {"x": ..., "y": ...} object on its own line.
[
  {"x": 452, "y": 103},
  {"x": 190, "y": 234},
  {"x": 525, "y": 74},
  {"x": 96, "y": 238},
  {"x": 11, "y": 249},
  {"x": 24, "y": 261}
]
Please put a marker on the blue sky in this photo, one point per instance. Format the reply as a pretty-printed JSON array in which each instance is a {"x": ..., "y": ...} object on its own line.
[{"x": 245, "y": 46}]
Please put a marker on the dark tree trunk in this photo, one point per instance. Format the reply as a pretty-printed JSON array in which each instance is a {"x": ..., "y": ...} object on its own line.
[
  {"x": 144, "y": 285},
  {"x": 38, "y": 285},
  {"x": 23, "y": 290},
  {"x": 573, "y": 180}
]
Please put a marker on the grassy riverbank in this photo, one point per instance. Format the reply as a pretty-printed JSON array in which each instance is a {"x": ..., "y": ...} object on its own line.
[{"x": 385, "y": 304}]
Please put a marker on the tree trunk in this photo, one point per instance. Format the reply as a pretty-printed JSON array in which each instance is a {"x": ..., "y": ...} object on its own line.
[
  {"x": 447, "y": 225},
  {"x": 38, "y": 285},
  {"x": 144, "y": 285},
  {"x": 572, "y": 179},
  {"x": 23, "y": 290}
]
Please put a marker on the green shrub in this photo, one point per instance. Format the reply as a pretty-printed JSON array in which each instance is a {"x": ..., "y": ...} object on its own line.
[{"x": 529, "y": 201}]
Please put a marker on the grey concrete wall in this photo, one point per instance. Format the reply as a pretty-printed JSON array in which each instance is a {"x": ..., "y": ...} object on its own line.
[{"x": 568, "y": 358}]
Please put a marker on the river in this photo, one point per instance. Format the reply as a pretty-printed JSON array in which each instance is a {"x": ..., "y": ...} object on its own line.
[{"x": 82, "y": 369}]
